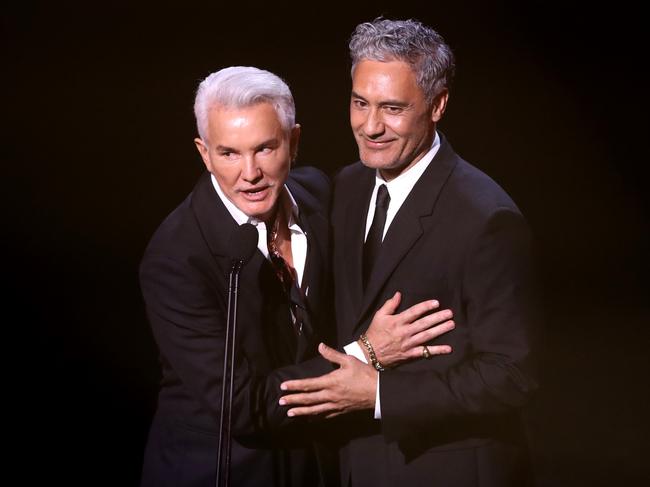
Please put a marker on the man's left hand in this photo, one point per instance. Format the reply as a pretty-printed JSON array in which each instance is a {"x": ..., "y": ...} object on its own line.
[{"x": 351, "y": 387}]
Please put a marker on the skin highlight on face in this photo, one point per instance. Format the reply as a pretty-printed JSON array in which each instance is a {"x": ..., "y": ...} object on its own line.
[
  {"x": 392, "y": 122},
  {"x": 250, "y": 154}
]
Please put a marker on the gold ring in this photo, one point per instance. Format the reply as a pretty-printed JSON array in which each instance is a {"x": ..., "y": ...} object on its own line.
[{"x": 425, "y": 352}]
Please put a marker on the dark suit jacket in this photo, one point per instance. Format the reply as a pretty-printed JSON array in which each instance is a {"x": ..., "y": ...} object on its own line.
[
  {"x": 451, "y": 420},
  {"x": 184, "y": 277}
]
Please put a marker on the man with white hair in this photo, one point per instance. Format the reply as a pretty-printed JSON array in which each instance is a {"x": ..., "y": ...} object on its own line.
[{"x": 247, "y": 140}]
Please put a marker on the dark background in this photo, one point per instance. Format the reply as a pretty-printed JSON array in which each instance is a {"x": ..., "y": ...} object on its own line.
[{"x": 549, "y": 100}]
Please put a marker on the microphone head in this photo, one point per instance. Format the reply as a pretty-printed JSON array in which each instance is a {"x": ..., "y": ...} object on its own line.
[{"x": 243, "y": 243}]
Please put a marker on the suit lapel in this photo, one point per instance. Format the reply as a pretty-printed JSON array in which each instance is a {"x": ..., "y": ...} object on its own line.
[
  {"x": 407, "y": 228},
  {"x": 260, "y": 291},
  {"x": 354, "y": 233},
  {"x": 217, "y": 227},
  {"x": 315, "y": 226}
]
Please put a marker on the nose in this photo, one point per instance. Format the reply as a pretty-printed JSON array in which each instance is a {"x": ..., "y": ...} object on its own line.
[
  {"x": 251, "y": 171},
  {"x": 374, "y": 125}
]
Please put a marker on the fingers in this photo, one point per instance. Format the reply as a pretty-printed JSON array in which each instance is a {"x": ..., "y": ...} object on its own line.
[
  {"x": 306, "y": 385},
  {"x": 429, "y": 320},
  {"x": 310, "y": 404},
  {"x": 439, "y": 349},
  {"x": 416, "y": 352},
  {"x": 429, "y": 334},
  {"x": 303, "y": 399},
  {"x": 331, "y": 355},
  {"x": 411, "y": 314},
  {"x": 390, "y": 306},
  {"x": 419, "y": 340},
  {"x": 327, "y": 409},
  {"x": 426, "y": 324}
]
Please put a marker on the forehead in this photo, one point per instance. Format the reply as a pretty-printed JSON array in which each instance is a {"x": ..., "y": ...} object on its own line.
[
  {"x": 390, "y": 80},
  {"x": 259, "y": 121}
]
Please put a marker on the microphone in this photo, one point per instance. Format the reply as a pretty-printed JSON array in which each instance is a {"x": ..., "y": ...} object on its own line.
[
  {"x": 243, "y": 243},
  {"x": 241, "y": 247}
]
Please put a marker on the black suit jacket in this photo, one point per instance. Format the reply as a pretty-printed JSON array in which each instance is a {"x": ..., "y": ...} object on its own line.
[
  {"x": 184, "y": 277},
  {"x": 451, "y": 420}
]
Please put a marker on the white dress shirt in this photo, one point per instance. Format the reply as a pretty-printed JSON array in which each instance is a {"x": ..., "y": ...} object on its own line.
[
  {"x": 398, "y": 189},
  {"x": 298, "y": 236}
]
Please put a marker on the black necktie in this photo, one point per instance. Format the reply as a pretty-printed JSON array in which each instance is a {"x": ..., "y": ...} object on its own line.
[{"x": 376, "y": 232}]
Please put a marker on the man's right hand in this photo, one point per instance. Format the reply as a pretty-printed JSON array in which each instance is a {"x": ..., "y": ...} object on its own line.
[{"x": 399, "y": 337}]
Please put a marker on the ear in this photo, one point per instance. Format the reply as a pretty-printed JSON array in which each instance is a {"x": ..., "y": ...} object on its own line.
[
  {"x": 293, "y": 142},
  {"x": 439, "y": 105},
  {"x": 204, "y": 151}
]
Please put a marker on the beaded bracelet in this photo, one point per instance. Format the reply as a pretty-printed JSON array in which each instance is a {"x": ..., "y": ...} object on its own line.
[{"x": 371, "y": 352}]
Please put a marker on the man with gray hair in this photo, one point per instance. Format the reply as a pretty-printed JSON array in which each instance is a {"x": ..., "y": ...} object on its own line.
[
  {"x": 248, "y": 140},
  {"x": 412, "y": 216}
]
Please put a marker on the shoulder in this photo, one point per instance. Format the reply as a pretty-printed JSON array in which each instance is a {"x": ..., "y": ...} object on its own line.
[
  {"x": 311, "y": 188},
  {"x": 174, "y": 225},
  {"x": 467, "y": 188},
  {"x": 178, "y": 237},
  {"x": 348, "y": 174},
  {"x": 312, "y": 179},
  {"x": 476, "y": 191},
  {"x": 472, "y": 203},
  {"x": 350, "y": 178}
]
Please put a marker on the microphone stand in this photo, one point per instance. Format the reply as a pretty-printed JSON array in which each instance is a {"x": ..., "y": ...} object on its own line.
[{"x": 225, "y": 420}]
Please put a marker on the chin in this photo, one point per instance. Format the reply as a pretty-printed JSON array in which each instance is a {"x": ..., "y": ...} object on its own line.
[
  {"x": 258, "y": 212},
  {"x": 377, "y": 159},
  {"x": 375, "y": 162}
]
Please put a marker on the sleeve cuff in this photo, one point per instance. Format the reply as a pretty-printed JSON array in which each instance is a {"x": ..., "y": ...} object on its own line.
[
  {"x": 355, "y": 350},
  {"x": 377, "y": 405}
]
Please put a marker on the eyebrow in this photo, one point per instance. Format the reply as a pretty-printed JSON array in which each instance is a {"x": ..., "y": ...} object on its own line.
[
  {"x": 397, "y": 103},
  {"x": 273, "y": 142},
  {"x": 224, "y": 148}
]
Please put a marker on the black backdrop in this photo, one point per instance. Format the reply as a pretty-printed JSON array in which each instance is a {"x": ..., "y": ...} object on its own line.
[{"x": 549, "y": 100}]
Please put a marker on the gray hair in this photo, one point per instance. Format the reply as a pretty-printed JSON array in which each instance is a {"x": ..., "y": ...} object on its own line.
[
  {"x": 240, "y": 87},
  {"x": 411, "y": 42}
]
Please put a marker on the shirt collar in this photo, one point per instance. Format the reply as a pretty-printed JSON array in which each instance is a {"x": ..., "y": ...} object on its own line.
[
  {"x": 286, "y": 199},
  {"x": 400, "y": 187}
]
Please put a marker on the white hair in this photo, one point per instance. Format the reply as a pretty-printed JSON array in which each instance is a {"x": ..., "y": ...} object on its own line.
[{"x": 240, "y": 87}]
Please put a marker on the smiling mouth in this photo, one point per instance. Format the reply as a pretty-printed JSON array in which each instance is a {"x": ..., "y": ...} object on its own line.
[{"x": 376, "y": 144}]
